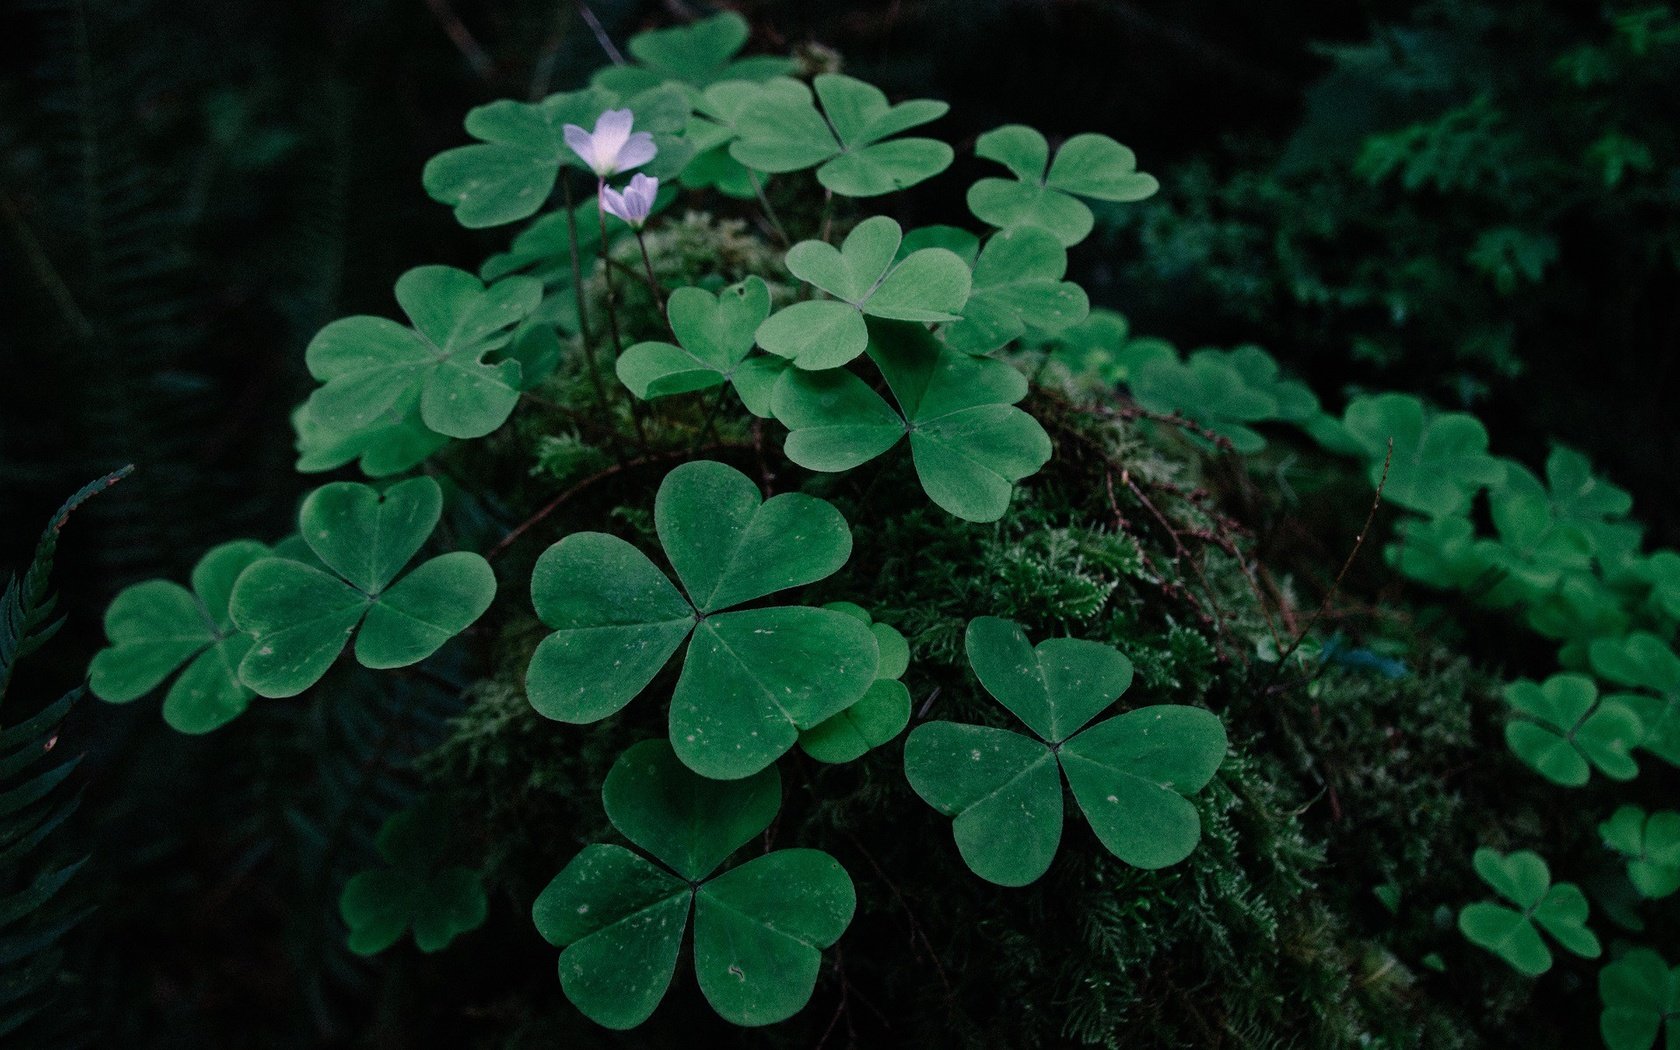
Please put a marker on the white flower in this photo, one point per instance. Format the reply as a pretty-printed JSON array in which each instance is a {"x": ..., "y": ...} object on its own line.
[
  {"x": 611, "y": 147},
  {"x": 634, "y": 204}
]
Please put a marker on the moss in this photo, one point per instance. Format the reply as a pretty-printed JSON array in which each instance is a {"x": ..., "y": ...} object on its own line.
[{"x": 1269, "y": 934}]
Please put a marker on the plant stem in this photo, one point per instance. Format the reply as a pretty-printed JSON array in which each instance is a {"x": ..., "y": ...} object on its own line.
[
  {"x": 769, "y": 209},
  {"x": 711, "y": 418},
  {"x": 653, "y": 282},
  {"x": 612, "y": 309},
  {"x": 583, "y": 313},
  {"x": 827, "y": 214}
]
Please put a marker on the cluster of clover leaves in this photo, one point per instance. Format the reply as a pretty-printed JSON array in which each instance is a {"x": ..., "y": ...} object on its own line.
[
  {"x": 881, "y": 314},
  {"x": 892, "y": 340},
  {"x": 1561, "y": 555}
]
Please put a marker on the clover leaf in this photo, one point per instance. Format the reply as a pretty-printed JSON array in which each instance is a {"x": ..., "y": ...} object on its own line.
[
  {"x": 303, "y": 616},
  {"x": 158, "y": 626},
  {"x": 510, "y": 174},
  {"x": 969, "y": 442},
  {"x": 1567, "y": 730},
  {"x": 1645, "y": 661},
  {"x": 380, "y": 450},
  {"x": 1523, "y": 879},
  {"x": 849, "y": 142},
  {"x": 1210, "y": 391},
  {"x": 377, "y": 371},
  {"x": 696, "y": 55},
  {"x": 1018, "y": 288},
  {"x": 1129, "y": 773},
  {"x": 752, "y": 678},
  {"x": 882, "y": 712},
  {"x": 759, "y": 928},
  {"x": 418, "y": 890},
  {"x": 1651, "y": 844},
  {"x": 1047, "y": 192},
  {"x": 1641, "y": 996},
  {"x": 714, "y": 336},
  {"x": 1580, "y": 497},
  {"x": 1537, "y": 545},
  {"x": 1439, "y": 552},
  {"x": 1440, "y": 462},
  {"x": 928, "y": 285}
]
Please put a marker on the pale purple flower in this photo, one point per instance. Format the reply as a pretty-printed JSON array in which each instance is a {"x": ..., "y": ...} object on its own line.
[
  {"x": 611, "y": 147},
  {"x": 634, "y": 204}
]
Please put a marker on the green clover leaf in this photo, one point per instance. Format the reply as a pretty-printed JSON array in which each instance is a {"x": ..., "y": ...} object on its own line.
[
  {"x": 1439, "y": 462},
  {"x": 1651, "y": 844},
  {"x": 1523, "y": 879},
  {"x": 1209, "y": 390},
  {"x": 1537, "y": 546},
  {"x": 158, "y": 626},
  {"x": 928, "y": 285},
  {"x": 714, "y": 336},
  {"x": 882, "y": 712},
  {"x": 1018, "y": 288},
  {"x": 1661, "y": 572},
  {"x": 302, "y": 616},
  {"x": 697, "y": 55},
  {"x": 1439, "y": 552},
  {"x": 1129, "y": 773},
  {"x": 849, "y": 142},
  {"x": 417, "y": 890},
  {"x": 510, "y": 174},
  {"x": 377, "y": 371},
  {"x": 1641, "y": 996},
  {"x": 969, "y": 442},
  {"x": 759, "y": 928},
  {"x": 752, "y": 678},
  {"x": 1645, "y": 661},
  {"x": 380, "y": 450},
  {"x": 1566, "y": 730},
  {"x": 1046, "y": 193}
]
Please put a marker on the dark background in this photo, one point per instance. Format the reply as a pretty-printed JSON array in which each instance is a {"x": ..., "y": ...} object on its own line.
[{"x": 190, "y": 189}]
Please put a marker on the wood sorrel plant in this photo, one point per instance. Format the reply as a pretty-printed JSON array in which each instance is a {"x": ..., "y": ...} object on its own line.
[{"x": 873, "y": 341}]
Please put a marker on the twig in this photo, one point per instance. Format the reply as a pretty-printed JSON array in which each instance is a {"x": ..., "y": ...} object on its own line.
[
  {"x": 915, "y": 927},
  {"x": 476, "y": 56},
  {"x": 1358, "y": 542},
  {"x": 557, "y": 502},
  {"x": 601, "y": 36}
]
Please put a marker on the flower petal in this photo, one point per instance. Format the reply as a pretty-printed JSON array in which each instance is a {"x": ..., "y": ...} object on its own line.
[
  {"x": 638, "y": 150},
  {"x": 612, "y": 130},
  {"x": 581, "y": 143},
  {"x": 613, "y": 203},
  {"x": 639, "y": 196}
]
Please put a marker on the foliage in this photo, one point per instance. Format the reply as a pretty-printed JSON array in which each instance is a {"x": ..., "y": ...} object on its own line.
[
  {"x": 1651, "y": 844},
  {"x": 157, "y": 627},
  {"x": 867, "y": 279},
  {"x": 759, "y": 928},
  {"x": 1129, "y": 774},
  {"x": 417, "y": 890},
  {"x": 301, "y": 616},
  {"x": 1523, "y": 879},
  {"x": 1046, "y": 195},
  {"x": 1641, "y": 997},
  {"x": 34, "y": 806},
  {"x": 1098, "y": 489}
]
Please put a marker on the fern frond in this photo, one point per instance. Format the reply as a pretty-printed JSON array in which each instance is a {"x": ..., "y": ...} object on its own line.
[
  {"x": 33, "y": 917},
  {"x": 27, "y": 606}
]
